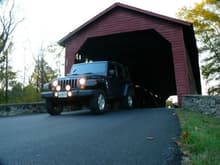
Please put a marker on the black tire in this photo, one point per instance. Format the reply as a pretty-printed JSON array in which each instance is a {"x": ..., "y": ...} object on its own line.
[
  {"x": 53, "y": 109},
  {"x": 128, "y": 100},
  {"x": 98, "y": 102}
]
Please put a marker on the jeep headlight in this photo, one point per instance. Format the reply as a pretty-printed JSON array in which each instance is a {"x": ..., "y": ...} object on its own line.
[
  {"x": 54, "y": 83},
  {"x": 68, "y": 87},
  {"x": 82, "y": 81},
  {"x": 58, "y": 88}
]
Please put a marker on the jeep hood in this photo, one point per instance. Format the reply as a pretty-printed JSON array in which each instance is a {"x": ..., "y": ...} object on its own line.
[{"x": 89, "y": 76}]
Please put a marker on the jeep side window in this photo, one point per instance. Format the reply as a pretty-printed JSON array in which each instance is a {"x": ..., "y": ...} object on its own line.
[
  {"x": 120, "y": 71},
  {"x": 126, "y": 73},
  {"x": 112, "y": 71}
]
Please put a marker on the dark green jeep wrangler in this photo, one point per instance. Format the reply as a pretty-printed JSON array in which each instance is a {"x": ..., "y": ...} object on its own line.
[{"x": 94, "y": 84}]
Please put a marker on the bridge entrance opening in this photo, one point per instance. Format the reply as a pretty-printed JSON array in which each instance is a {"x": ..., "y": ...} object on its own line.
[{"x": 147, "y": 54}]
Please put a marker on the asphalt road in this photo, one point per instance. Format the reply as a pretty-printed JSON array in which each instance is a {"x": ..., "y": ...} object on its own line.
[{"x": 135, "y": 137}]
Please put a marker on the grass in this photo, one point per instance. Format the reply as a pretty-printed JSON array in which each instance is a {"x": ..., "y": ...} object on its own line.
[{"x": 200, "y": 137}]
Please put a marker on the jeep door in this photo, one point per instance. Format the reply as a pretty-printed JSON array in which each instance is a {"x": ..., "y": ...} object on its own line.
[{"x": 114, "y": 81}]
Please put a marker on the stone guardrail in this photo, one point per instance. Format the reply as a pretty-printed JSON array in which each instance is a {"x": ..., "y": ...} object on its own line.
[
  {"x": 18, "y": 109},
  {"x": 209, "y": 105}
]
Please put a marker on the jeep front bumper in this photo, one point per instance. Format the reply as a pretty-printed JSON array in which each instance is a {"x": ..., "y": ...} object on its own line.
[{"x": 67, "y": 94}]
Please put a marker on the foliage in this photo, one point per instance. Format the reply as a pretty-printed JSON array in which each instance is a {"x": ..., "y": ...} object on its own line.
[
  {"x": 205, "y": 17},
  {"x": 30, "y": 94},
  {"x": 200, "y": 137},
  {"x": 10, "y": 90},
  {"x": 56, "y": 52},
  {"x": 15, "y": 94},
  {"x": 8, "y": 23},
  {"x": 10, "y": 81},
  {"x": 169, "y": 103},
  {"x": 20, "y": 94},
  {"x": 11, "y": 77},
  {"x": 42, "y": 74}
]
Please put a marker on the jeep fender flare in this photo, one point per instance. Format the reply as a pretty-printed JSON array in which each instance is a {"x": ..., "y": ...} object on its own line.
[
  {"x": 102, "y": 85},
  {"x": 127, "y": 88}
]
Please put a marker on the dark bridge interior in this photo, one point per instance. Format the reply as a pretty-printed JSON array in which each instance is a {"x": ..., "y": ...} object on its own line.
[{"x": 146, "y": 53}]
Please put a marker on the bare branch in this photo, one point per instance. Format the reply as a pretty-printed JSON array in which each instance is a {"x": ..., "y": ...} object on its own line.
[{"x": 8, "y": 23}]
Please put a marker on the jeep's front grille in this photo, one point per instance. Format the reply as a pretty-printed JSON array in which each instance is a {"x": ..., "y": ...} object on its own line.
[{"x": 71, "y": 82}]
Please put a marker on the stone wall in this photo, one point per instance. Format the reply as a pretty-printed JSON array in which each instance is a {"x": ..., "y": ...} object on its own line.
[
  {"x": 18, "y": 109},
  {"x": 209, "y": 105}
]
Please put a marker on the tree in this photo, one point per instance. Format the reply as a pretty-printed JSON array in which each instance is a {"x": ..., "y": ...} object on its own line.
[
  {"x": 43, "y": 73},
  {"x": 205, "y": 17},
  {"x": 7, "y": 76},
  {"x": 20, "y": 94},
  {"x": 30, "y": 94},
  {"x": 16, "y": 93},
  {"x": 5, "y": 83},
  {"x": 8, "y": 23},
  {"x": 56, "y": 52}
]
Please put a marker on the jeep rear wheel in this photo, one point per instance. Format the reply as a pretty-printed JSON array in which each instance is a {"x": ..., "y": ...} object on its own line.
[
  {"x": 128, "y": 101},
  {"x": 98, "y": 102},
  {"x": 53, "y": 109}
]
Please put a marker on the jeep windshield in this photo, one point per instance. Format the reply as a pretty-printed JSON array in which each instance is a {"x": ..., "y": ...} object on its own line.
[{"x": 88, "y": 68}]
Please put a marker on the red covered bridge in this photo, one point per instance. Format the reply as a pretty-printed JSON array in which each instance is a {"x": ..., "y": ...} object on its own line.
[{"x": 160, "y": 51}]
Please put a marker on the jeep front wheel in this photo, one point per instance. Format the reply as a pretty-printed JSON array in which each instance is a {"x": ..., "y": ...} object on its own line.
[
  {"x": 98, "y": 102},
  {"x": 53, "y": 109}
]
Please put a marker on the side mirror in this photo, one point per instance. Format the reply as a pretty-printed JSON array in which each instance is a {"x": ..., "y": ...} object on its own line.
[
  {"x": 46, "y": 86},
  {"x": 111, "y": 72}
]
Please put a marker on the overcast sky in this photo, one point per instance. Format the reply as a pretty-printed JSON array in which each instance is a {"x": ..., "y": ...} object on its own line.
[
  {"x": 50, "y": 20},
  {"x": 47, "y": 21}
]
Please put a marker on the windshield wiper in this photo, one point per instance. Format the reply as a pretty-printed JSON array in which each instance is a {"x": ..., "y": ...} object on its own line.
[
  {"x": 72, "y": 73},
  {"x": 88, "y": 73}
]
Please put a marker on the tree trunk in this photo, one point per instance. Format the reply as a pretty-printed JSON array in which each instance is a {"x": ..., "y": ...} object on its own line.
[{"x": 6, "y": 77}]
